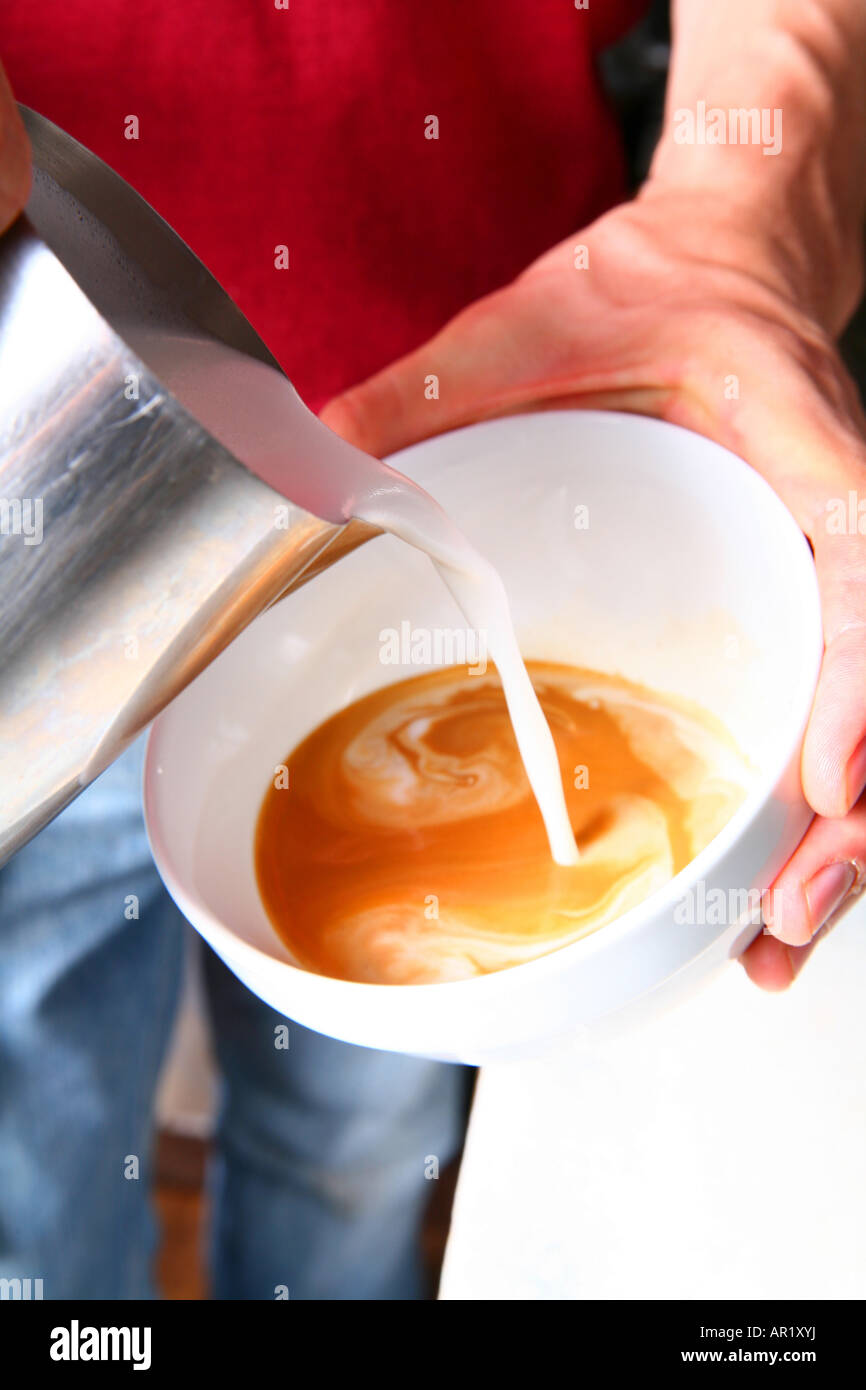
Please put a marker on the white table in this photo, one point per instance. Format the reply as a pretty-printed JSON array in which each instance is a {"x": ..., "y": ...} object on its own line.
[{"x": 718, "y": 1153}]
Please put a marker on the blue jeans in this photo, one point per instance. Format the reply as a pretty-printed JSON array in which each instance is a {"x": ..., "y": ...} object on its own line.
[{"x": 318, "y": 1179}]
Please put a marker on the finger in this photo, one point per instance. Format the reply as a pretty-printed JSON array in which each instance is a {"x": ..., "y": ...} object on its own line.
[
  {"x": 821, "y": 881},
  {"x": 465, "y": 371},
  {"x": 806, "y": 439},
  {"x": 834, "y": 749},
  {"x": 773, "y": 966},
  {"x": 767, "y": 962},
  {"x": 823, "y": 877}
]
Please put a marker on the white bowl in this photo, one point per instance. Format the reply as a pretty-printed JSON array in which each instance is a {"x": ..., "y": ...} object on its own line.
[{"x": 691, "y": 577}]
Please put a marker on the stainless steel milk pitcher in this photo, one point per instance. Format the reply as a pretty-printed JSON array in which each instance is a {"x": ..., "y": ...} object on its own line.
[{"x": 133, "y": 546}]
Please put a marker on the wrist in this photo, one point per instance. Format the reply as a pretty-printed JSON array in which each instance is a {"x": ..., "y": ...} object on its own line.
[{"x": 770, "y": 150}]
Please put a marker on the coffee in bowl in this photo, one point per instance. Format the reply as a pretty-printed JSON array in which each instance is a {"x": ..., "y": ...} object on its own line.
[{"x": 400, "y": 842}]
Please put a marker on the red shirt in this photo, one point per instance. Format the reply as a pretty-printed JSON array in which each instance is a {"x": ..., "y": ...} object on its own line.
[{"x": 305, "y": 127}]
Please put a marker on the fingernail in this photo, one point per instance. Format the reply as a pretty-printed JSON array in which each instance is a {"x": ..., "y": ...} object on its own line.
[
  {"x": 827, "y": 890},
  {"x": 855, "y": 776}
]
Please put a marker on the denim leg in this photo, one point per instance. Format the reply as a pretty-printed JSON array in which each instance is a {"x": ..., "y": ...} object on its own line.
[
  {"x": 320, "y": 1178},
  {"x": 87, "y": 996}
]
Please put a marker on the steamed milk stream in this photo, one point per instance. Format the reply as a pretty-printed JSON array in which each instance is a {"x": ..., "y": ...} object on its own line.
[{"x": 253, "y": 411}]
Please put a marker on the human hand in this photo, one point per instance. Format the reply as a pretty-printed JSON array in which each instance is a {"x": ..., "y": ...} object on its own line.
[{"x": 667, "y": 309}]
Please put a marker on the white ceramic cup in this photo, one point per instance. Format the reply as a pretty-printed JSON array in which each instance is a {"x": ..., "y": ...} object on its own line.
[{"x": 628, "y": 546}]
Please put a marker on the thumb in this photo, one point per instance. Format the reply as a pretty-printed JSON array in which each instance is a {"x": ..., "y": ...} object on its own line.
[
  {"x": 478, "y": 365},
  {"x": 813, "y": 454}
]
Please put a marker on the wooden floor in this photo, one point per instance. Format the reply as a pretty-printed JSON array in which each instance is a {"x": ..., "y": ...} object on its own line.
[{"x": 182, "y": 1211}]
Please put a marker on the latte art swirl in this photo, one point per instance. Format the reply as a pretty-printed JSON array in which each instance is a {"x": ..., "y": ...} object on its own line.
[
  {"x": 408, "y": 847},
  {"x": 434, "y": 757}
]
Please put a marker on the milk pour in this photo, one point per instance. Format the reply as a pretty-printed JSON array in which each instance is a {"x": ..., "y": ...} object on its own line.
[{"x": 252, "y": 409}]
